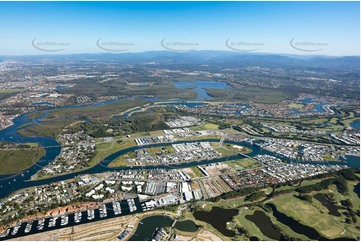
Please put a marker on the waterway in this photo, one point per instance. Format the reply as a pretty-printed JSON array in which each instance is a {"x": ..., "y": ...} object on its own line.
[
  {"x": 332, "y": 208},
  {"x": 306, "y": 100},
  {"x": 218, "y": 218},
  {"x": 12, "y": 183},
  {"x": 356, "y": 189},
  {"x": 200, "y": 87},
  {"x": 147, "y": 226},
  {"x": 264, "y": 223},
  {"x": 110, "y": 214},
  {"x": 186, "y": 225},
  {"x": 298, "y": 227},
  {"x": 318, "y": 106},
  {"x": 355, "y": 124}
]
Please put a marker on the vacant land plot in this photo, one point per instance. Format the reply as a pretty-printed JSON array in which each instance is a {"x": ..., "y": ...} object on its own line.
[
  {"x": 106, "y": 149},
  {"x": 207, "y": 126},
  {"x": 243, "y": 164}
]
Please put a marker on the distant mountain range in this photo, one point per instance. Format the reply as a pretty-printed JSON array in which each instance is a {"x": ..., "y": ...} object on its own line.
[{"x": 230, "y": 58}]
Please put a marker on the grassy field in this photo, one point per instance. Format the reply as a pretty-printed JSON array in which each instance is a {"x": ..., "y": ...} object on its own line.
[
  {"x": 243, "y": 163},
  {"x": 6, "y": 93},
  {"x": 106, "y": 149},
  {"x": 238, "y": 148},
  {"x": 296, "y": 105},
  {"x": 261, "y": 95},
  {"x": 101, "y": 111},
  {"x": 206, "y": 126},
  {"x": 50, "y": 129},
  {"x": 312, "y": 214},
  {"x": 224, "y": 151},
  {"x": 122, "y": 160},
  {"x": 250, "y": 94},
  {"x": 12, "y": 90},
  {"x": 15, "y": 160},
  {"x": 202, "y": 137},
  {"x": 161, "y": 150},
  {"x": 197, "y": 172}
]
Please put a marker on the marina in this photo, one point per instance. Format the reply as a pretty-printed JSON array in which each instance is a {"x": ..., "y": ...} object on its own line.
[{"x": 125, "y": 207}]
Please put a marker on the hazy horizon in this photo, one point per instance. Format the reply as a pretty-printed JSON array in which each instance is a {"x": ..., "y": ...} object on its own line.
[{"x": 283, "y": 28}]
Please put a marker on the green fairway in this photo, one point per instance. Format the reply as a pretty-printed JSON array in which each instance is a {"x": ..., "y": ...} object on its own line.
[{"x": 315, "y": 215}]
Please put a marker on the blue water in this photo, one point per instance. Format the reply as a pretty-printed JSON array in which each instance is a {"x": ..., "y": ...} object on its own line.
[
  {"x": 355, "y": 124},
  {"x": 110, "y": 214},
  {"x": 42, "y": 103},
  {"x": 306, "y": 100},
  {"x": 200, "y": 87},
  {"x": 295, "y": 111},
  {"x": 61, "y": 87},
  {"x": 12, "y": 183},
  {"x": 318, "y": 107}
]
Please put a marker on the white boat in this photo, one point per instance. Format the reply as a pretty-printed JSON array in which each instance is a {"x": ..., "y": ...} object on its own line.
[
  {"x": 28, "y": 227},
  {"x": 103, "y": 211},
  {"x": 41, "y": 223},
  {"x": 52, "y": 222},
  {"x": 15, "y": 230},
  {"x": 91, "y": 214},
  {"x": 116, "y": 208},
  {"x": 77, "y": 217},
  {"x": 64, "y": 220},
  {"x": 131, "y": 205}
]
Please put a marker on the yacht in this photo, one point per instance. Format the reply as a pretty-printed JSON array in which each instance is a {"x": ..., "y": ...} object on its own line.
[
  {"x": 77, "y": 217},
  {"x": 131, "y": 205},
  {"x": 64, "y": 220},
  {"x": 15, "y": 230},
  {"x": 52, "y": 222},
  {"x": 28, "y": 227},
  {"x": 103, "y": 211},
  {"x": 91, "y": 214},
  {"x": 41, "y": 223},
  {"x": 116, "y": 208}
]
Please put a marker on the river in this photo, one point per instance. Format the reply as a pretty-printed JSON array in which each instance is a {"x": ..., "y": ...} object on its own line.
[
  {"x": 200, "y": 87},
  {"x": 15, "y": 182},
  {"x": 12, "y": 183}
]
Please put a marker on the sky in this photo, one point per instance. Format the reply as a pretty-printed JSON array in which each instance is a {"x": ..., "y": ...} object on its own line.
[{"x": 304, "y": 28}]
